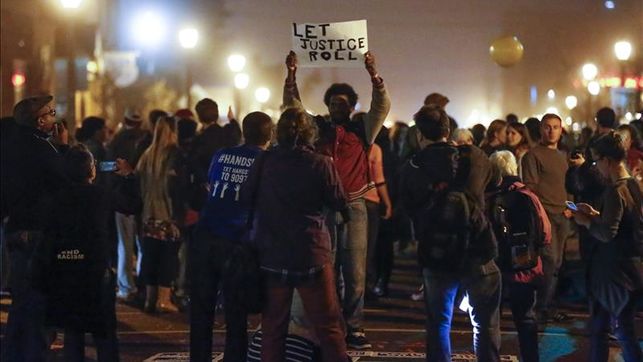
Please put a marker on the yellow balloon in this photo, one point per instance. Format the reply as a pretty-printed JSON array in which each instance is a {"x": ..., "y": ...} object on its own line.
[{"x": 506, "y": 51}]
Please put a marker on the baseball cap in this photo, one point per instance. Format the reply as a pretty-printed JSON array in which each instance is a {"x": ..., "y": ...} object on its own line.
[
  {"x": 436, "y": 98},
  {"x": 133, "y": 114},
  {"x": 26, "y": 111}
]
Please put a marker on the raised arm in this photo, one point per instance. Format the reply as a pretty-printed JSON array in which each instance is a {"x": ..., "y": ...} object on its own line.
[
  {"x": 291, "y": 98},
  {"x": 380, "y": 101}
]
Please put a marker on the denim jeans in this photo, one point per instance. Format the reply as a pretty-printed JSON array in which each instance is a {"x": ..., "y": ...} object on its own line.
[
  {"x": 181, "y": 283},
  {"x": 552, "y": 257},
  {"x": 351, "y": 263},
  {"x": 483, "y": 290},
  {"x": 207, "y": 256},
  {"x": 522, "y": 298},
  {"x": 373, "y": 212},
  {"x": 25, "y": 337},
  {"x": 624, "y": 330},
  {"x": 127, "y": 236}
]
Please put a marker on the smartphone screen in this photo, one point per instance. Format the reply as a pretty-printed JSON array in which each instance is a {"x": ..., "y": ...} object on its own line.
[
  {"x": 570, "y": 205},
  {"x": 107, "y": 166}
]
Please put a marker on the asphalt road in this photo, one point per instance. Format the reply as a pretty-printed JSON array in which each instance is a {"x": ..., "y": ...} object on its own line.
[{"x": 394, "y": 325}]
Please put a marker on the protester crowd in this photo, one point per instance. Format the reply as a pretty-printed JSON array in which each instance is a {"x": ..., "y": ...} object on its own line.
[{"x": 298, "y": 221}]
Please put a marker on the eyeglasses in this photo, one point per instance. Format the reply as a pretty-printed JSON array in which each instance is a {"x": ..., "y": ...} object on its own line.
[{"x": 51, "y": 112}]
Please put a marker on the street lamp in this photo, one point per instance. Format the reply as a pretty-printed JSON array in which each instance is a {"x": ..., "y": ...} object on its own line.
[
  {"x": 71, "y": 5},
  {"x": 149, "y": 29},
  {"x": 590, "y": 71},
  {"x": 236, "y": 62},
  {"x": 262, "y": 94},
  {"x": 571, "y": 102},
  {"x": 594, "y": 88},
  {"x": 551, "y": 94},
  {"x": 188, "y": 38},
  {"x": 623, "y": 50},
  {"x": 241, "y": 81}
]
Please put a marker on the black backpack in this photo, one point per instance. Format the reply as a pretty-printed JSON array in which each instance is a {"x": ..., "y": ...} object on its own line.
[
  {"x": 443, "y": 230},
  {"x": 519, "y": 229}
]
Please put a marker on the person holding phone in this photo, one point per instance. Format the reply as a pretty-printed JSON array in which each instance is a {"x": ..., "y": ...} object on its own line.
[
  {"x": 31, "y": 170},
  {"x": 76, "y": 242},
  {"x": 615, "y": 267}
]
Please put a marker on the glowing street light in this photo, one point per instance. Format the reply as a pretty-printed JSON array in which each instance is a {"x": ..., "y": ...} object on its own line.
[
  {"x": 71, "y": 7},
  {"x": 262, "y": 94},
  {"x": 571, "y": 102},
  {"x": 149, "y": 29},
  {"x": 236, "y": 62},
  {"x": 92, "y": 66},
  {"x": 18, "y": 79},
  {"x": 623, "y": 50},
  {"x": 590, "y": 71},
  {"x": 594, "y": 88},
  {"x": 551, "y": 94},
  {"x": 70, "y": 4},
  {"x": 241, "y": 81},
  {"x": 188, "y": 38}
]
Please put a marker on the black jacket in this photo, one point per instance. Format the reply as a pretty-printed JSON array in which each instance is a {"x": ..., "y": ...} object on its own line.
[
  {"x": 78, "y": 225},
  {"x": 31, "y": 168}
]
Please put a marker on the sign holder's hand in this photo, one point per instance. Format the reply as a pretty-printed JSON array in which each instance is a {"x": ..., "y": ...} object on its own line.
[
  {"x": 291, "y": 65},
  {"x": 369, "y": 64}
]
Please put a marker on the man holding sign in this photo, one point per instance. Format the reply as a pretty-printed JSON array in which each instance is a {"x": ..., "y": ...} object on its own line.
[{"x": 346, "y": 142}]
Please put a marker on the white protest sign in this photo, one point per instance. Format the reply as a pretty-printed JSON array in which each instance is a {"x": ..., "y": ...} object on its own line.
[{"x": 330, "y": 44}]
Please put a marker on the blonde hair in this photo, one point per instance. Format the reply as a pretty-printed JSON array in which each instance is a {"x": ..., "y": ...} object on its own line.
[
  {"x": 503, "y": 163},
  {"x": 154, "y": 159},
  {"x": 154, "y": 169}
]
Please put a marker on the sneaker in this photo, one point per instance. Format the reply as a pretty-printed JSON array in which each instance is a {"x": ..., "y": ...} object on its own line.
[
  {"x": 357, "y": 340},
  {"x": 126, "y": 297},
  {"x": 380, "y": 289},
  {"x": 419, "y": 294}
]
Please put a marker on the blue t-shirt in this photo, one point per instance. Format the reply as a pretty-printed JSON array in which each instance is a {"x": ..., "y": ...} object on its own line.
[{"x": 223, "y": 213}]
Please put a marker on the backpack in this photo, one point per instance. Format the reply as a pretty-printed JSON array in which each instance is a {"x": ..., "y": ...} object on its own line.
[
  {"x": 521, "y": 226},
  {"x": 444, "y": 230}
]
